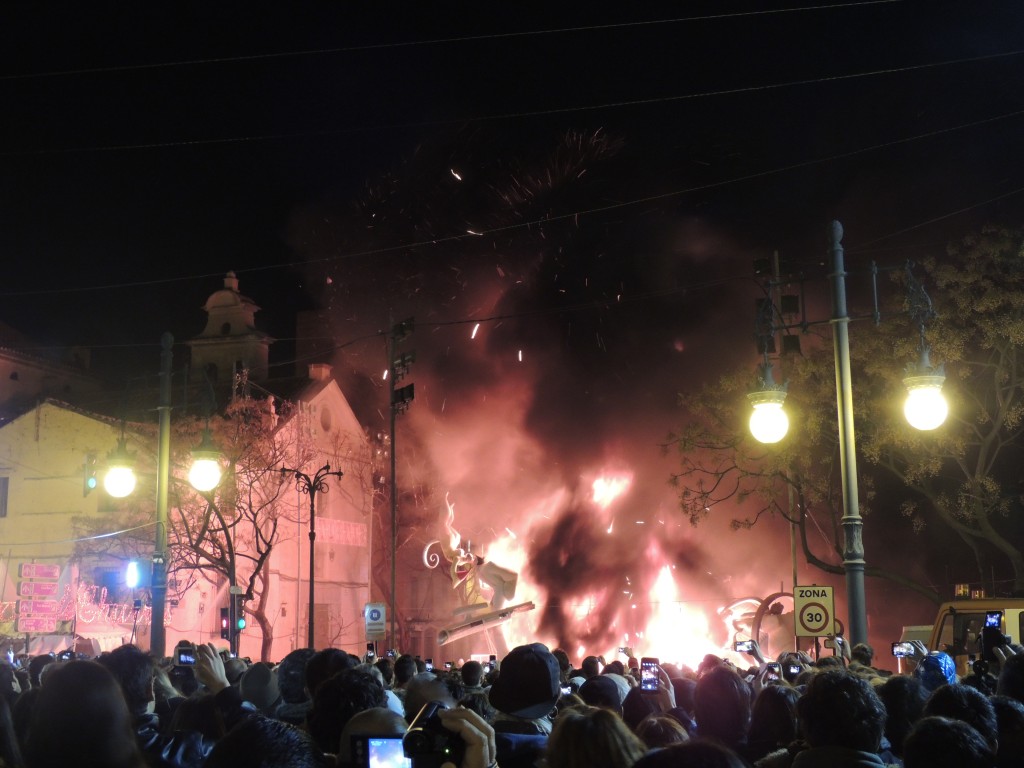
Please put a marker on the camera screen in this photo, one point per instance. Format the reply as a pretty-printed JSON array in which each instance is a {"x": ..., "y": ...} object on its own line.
[
  {"x": 649, "y": 675},
  {"x": 993, "y": 618},
  {"x": 795, "y": 669},
  {"x": 772, "y": 673},
  {"x": 186, "y": 657},
  {"x": 902, "y": 650},
  {"x": 386, "y": 752},
  {"x": 744, "y": 646}
]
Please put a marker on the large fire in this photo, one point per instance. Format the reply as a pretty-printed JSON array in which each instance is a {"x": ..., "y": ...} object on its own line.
[{"x": 626, "y": 596}]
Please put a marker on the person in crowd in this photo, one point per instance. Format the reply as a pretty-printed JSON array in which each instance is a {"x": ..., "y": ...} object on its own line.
[
  {"x": 602, "y": 691},
  {"x": 258, "y": 686},
  {"x": 693, "y": 754},
  {"x": 661, "y": 730},
  {"x": 291, "y": 684},
  {"x": 405, "y": 668},
  {"x": 592, "y": 737},
  {"x": 1010, "y": 721},
  {"x": 472, "y": 674},
  {"x": 199, "y": 712},
  {"x": 773, "y": 721},
  {"x": 842, "y": 720},
  {"x": 935, "y": 669},
  {"x": 904, "y": 698},
  {"x": 263, "y": 742},
  {"x": 524, "y": 694},
  {"x": 722, "y": 707},
  {"x": 21, "y": 715},
  {"x": 386, "y": 667},
  {"x": 1011, "y": 675},
  {"x": 325, "y": 664},
  {"x": 862, "y": 654},
  {"x": 376, "y": 721},
  {"x": 133, "y": 671},
  {"x": 167, "y": 697},
  {"x": 10, "y": 750},
  {"x": 36, "y": 667},
  {"x": 81, "y": 718},
  {"x": 942, "y": 742},
  {"x": 962, "y": 702},
  {"x": 591, "y": 667},
  {"x": 337, "y": 700},
  {"x": 564, "y": 665}
]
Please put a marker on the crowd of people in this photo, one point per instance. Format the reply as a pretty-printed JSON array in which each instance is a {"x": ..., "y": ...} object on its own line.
[{"x": 536, "y": 708}]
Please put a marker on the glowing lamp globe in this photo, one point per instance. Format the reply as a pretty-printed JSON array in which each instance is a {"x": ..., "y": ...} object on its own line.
[
  {"x": 205, "y": 472},
  {"x": 119, "y": 481},
  {"x": 925, "y": 407},
  {"x": 768, "y": 422}
]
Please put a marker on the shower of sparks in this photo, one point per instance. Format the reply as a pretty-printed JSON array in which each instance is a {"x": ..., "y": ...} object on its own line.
[{"x": 455, "y": 174}]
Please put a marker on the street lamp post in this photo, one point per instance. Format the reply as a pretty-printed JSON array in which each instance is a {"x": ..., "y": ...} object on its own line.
[
  {"x": 771, "y": 424},
  {"x": 120, "y": 481},
  {"x": 310, "y": 486}
]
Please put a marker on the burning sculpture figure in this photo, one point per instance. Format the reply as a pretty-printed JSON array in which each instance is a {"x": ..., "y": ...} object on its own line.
[{"x": 468, "y": 571}]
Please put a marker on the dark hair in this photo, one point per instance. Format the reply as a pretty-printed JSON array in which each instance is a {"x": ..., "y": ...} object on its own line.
[
  {"x": 963, "y": 702},
  {"x": 199, "y": 712},
  {"x": 35, "y": 667},
  {"x": 337, "y": 700},
  {"x": 722, "y": 706},
  {"x": 1010, "y": 716},
  {"x": 773, "y": 720},
  {"x": 591, "y": 667},
  {"x": 261, "y": 742},
  {"x": 661, "y": 730},
  {"x": 80, "y": 718},
  {"x": 291, "y": 675},
  {"x": 592, "y": 737},
  {"x": 1011, "y": 677},
  {"x": 862, "y": 653},
  {"x": 133, "y": 670},
  {"x": 841, "y": 710},
  {"x": 694, "y": 754},
  {"x": 405, "y": 668},
  {"x": 10, "y": 751},
  {"x": 904, "y": 698},
  {"x": 614, "y": 667},
  {"x": 942, "y": 742},
  {"x": 636, "y": 706},
  {"x": 387, "y": 670},
  {"x": 325, "y": 664},
  {"x": 472, "y": 673}
]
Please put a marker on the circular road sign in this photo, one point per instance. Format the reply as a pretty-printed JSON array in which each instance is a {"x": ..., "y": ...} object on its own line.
[{"x": 814, "y": 617}]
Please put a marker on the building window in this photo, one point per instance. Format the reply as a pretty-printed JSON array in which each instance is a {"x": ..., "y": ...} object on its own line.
[{"x": 4, "y": 484}]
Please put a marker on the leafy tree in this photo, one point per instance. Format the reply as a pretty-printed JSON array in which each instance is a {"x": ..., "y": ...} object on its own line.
[{"x": 963, "y": 475}]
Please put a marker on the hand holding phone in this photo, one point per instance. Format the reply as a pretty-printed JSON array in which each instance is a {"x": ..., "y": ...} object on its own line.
[
  {"x": 649, "y": 670},
  {"x": 743, "y": 646}
]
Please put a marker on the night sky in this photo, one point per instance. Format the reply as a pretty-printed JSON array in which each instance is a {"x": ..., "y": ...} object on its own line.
[{"x": 341, "y": 159}]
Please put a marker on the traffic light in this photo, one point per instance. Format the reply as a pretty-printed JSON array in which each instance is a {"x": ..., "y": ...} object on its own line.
[
  {"x": 225, "y": 626},
  {"x": 89, "y": 478},
  {"x": 239, "y": 613}
]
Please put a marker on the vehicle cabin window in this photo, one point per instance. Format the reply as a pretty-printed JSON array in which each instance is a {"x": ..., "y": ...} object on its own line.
[{"x": 960, "y": 634}]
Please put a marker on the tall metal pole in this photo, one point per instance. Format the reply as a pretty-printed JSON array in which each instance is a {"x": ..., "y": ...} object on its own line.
[
  {"x": 393, "y": 344},
  {"x": 158, "y": 637},
  {"x": 310, "y": 486},
  {"x": 853, "y": 524}
]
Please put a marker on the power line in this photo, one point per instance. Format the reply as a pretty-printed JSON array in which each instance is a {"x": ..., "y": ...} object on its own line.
[
  {"x": 514, "y": 115},
  {"x": 432, "y": 41},
  {"x": 570, "y": 215}
]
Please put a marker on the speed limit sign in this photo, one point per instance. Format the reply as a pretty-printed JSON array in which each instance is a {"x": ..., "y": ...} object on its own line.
[{"x": 814, "y": 611}]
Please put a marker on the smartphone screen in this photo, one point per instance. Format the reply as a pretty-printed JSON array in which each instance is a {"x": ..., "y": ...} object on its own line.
[
  {"x": 429, "y": 663},
  {"x": 386, "y": 752},
  {"x": 774, "y": 671},
  {"x": 449, "y": 664},
  {"x": 994, "y": 619},
  {"x": 743, "y": 646},
  {"x": 186, "y": 657},
  {"x": 648, "y": 674},
  {"x": 902, "y": 650}
]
